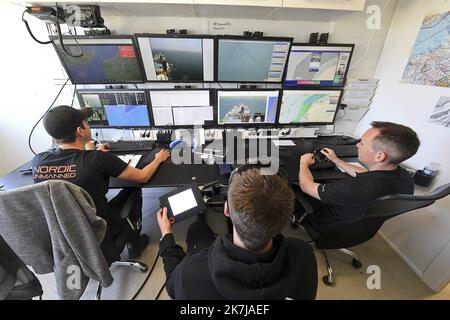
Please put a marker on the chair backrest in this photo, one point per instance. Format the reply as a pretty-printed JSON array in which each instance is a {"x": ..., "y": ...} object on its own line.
[
  {"x": 357, "y": 231},
  {"x": 52, "y": 226}
]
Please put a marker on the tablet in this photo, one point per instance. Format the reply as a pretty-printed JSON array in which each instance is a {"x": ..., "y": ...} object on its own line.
[{"x": 183, "y": 202}]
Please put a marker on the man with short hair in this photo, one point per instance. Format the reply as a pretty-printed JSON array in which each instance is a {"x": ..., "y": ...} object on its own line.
[
  {"x": 91, "y": 170},
  {"x": 381, "y": 149},
  {"x": 256, "y": 261}
]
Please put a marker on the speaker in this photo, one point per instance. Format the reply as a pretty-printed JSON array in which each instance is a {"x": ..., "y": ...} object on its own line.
[
  {"x": 323, "y": 38},
  {"x": 313, "y": 37}
]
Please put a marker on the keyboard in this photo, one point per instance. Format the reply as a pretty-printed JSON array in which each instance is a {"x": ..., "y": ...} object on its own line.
[
  {"x": 131, "y": 145},
  {"x": 341, "y": 151}
]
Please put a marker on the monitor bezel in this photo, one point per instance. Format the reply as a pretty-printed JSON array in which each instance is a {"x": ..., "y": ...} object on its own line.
[
  {"x": 212, "y": 99},
  {"x": 305, "y": 124},
  {"x": 147, "y": 100},
  {"x": 256, "y": 39},
  {"x": 315, "y": 86},
  {"x": 133, "y": 43},
  {"x": 180, "y": 36},
  {"x": 256, "y": 125}
]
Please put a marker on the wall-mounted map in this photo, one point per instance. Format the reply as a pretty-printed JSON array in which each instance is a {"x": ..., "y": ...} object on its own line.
[
  {"x": 429, "y": 63},
  {"x": 441, "y": 113}
]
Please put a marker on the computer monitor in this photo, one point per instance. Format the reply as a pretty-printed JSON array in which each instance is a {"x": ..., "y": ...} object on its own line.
[
  {"x": 318, "y": 65},
  {"x": 116, "y": 108},
  {"x": 242, "y": 59},
  {"x": 247, "y": 108},
  {"x": 318, "y": 107},
  {"x": 181, "y": 108},
  {"x": 105, "y": 59},
  {"x": 177, "y": 58}
]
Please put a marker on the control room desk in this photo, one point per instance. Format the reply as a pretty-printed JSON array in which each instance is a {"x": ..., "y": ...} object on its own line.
[{"x": 170, "y": 175}]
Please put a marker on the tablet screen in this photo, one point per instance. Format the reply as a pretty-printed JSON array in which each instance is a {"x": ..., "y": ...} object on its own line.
[{"x": 182, "y": 201}]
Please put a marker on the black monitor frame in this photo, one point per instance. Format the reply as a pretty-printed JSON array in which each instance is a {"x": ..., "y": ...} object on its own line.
[
  {"x": 256, "y": 39},
  {"x": 249, "y": 124},
  {"x": 314, "y": 86},
  {"x": 305, "y": 124},
  {"x": 147, "y": 100},
  {"x": 212, "y": 99},
  {"x": 176, "y": 36},
  {"x": 133, "y": 43}
]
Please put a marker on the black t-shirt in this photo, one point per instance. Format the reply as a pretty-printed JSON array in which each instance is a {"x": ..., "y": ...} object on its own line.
[
  {"x": 348, "y": 198},
  {"x": 89, "y": 170}
]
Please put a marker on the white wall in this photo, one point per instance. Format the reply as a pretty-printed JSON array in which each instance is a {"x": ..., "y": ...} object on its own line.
[{"x": 422, "y": 237}]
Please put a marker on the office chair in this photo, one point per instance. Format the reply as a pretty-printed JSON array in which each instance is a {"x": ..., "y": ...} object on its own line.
[
  {"x": 17, "y": 282},
  {"x": 360, "y": 230},
  {"x": 53, "y": 225}
]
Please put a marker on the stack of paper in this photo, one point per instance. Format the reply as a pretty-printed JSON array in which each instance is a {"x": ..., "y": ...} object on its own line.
[{"x": 131, "y": 159}]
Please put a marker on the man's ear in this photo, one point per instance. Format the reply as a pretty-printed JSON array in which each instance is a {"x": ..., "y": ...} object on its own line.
[
  {"x": 381, "y": 156},
  {"x": 226, "y": 212}
]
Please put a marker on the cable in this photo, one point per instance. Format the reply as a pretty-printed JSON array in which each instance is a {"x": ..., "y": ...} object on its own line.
[
  {"x": 31, "y": 132},
  {"x": 58, "y": 28},
  {"x": 160, "y": 291},
  {"x": 31, "y": 33},
  {"x": 73, "y": 96},
  {"x": 148, "y": 276}
]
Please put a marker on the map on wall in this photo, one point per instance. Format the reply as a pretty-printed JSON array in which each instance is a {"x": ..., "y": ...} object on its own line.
[
  {"x": 429, "y": 63},
  {"x": 441, "y": 113}
]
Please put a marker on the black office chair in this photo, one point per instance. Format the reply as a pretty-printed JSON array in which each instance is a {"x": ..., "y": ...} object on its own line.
[
  {"x": 17, "y": 282},
  {"x": 360, "y": 230}
]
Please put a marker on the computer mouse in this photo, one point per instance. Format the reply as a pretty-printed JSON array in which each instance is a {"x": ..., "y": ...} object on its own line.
[{"x": 175, "y": 143}]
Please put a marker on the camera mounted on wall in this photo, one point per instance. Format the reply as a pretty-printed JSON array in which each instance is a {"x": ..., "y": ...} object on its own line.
[
  {"x": 254, "y": 35},
  {"x": 174, "y": 32},
  {"x": 315, "y": 39}
]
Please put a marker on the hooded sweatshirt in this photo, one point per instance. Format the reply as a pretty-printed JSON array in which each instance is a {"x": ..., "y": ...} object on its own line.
[{"x": 225, "y": 271}]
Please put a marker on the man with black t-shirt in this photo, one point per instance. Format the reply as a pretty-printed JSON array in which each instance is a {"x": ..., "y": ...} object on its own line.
[
  {"x": 381, "y": 149},
  {"x": 91, "y": 170}
]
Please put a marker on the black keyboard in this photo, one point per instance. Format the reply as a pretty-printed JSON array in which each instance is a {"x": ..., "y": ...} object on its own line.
[
  {"x": 131, "y": 145},
  {"x": 341, "y": 151}
]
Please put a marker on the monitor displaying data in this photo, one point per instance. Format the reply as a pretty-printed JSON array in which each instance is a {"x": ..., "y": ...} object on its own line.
[
  {"x": 116, "y": 108},
  {"x": 181, "y": 107},
  {"x": 309, "y": 106},
  {"x": 248, "y": 60},
  {"x": 324, "y": 66},
  {"x": 177, "y": 58},
  {"x": 247, "y": 107},
  {"x": 104, "y": 59}
]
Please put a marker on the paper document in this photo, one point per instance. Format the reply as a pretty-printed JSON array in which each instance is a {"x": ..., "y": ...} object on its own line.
[
  {"x": 131, "y": 159},
  {"x": 284, "y": 143},
  {"x": 355, "y": 164}
]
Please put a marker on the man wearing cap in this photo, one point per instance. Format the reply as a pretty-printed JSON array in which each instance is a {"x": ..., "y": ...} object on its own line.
[{"x": 91, "y": 170}]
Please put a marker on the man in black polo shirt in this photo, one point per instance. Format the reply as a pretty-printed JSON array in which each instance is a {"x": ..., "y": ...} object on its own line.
[
  {"x": 91, "y": 170},
  {"x": 381, "y": 149}
]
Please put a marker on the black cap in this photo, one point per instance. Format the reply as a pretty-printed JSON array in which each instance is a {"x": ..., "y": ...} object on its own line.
[{"x": 61, "y": 121}]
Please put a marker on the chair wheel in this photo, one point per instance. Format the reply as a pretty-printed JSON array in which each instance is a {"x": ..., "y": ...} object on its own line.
[
  {"x": 144, "y": 269},
  {"x": 356, "y": 264},
  {"x": 327, "y": 282}
]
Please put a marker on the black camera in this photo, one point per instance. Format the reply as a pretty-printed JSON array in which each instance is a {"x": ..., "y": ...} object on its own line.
[{"x": 84, "y": 16}]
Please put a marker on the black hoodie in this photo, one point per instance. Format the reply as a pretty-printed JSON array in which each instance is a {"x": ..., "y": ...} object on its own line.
[{"x": 225, "y": 271}]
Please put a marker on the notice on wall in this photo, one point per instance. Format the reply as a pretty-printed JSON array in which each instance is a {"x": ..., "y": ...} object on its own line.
[
  {"x": 441, "y": 113},
  {"x": 429, "y": 62}
]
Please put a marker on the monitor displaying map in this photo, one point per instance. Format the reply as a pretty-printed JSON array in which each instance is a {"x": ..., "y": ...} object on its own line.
[
  {"x": 104, "y": 60},
  {"x": 324, "y": 66},
  {"x": 248, "y": 60},
  {"x": 122, "y": 108},
  {"x": 177, "y": 58},
  {"x": 429, "y": 62},
  {"x": 309, "y": 106},
  {"x": 247, "y": 107}
]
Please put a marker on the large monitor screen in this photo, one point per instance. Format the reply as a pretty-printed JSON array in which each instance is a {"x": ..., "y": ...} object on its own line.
[
  {"x": 181, "y": 107},
  {"x": 177, "y": 58},
  {"x": 248, "y": 60},
  {"x": 325, "y": 66},
  {"x": 309, "y": 106},
  {"x": 104, "y": 60},
  {"x": 247, "y": 107},
  {"x": 116, "y": 108}
]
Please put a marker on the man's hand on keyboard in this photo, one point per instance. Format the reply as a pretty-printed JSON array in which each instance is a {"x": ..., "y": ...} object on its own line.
[
  {"x": 330, "y": 154},
  {"x": 103, "y": 147},
  {"x": 162, "y": 155}
]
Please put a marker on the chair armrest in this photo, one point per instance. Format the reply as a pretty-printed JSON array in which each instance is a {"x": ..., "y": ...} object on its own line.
[{"x": 132, "y": 199}]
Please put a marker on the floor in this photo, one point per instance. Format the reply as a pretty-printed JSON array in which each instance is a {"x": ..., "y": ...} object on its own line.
[{"x": 398, "y": 281}]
